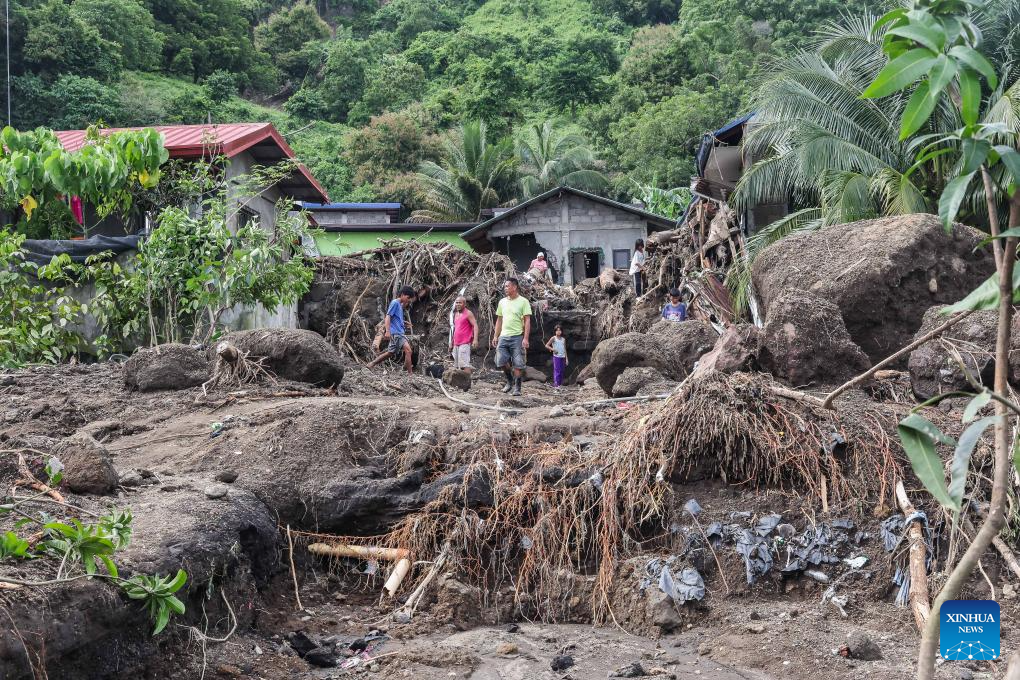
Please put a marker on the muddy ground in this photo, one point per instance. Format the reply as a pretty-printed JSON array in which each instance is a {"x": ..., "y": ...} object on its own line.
[{"x": 213, "y": 482}]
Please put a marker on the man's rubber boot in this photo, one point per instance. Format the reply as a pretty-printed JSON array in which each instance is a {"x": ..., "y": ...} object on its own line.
[
  {"x": 509, "y": 382},
  {"x": 517, "y": 387}
]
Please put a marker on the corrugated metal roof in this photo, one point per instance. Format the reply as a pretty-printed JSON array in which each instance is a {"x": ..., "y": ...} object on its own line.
[
  {"x": 194, "y": 141},
  {"x": 350, "y": 206}
]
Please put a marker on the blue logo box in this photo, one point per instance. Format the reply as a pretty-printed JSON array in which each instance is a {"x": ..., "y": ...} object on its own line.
[{"x": 969, "y": 629}]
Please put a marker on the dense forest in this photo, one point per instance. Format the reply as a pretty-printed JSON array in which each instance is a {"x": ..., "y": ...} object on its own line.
[{"x": 367, "y": 93}]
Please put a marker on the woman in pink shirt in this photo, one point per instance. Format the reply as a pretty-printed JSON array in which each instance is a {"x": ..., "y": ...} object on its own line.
[{"x": 465, "y": 335}]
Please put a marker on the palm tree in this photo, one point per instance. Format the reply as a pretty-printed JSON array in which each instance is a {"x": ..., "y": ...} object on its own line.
[
  {"x": 820, "y": 146},
  {"x": 474, "y": 175},
  {"x": 552, "y": 158}
]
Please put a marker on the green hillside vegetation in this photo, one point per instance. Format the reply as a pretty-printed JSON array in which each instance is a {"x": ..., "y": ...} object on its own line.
[{"x": 365, "y": 93}]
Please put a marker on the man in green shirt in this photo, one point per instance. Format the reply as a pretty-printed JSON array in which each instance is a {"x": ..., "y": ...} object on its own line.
[{"x": 510, "y": 336}]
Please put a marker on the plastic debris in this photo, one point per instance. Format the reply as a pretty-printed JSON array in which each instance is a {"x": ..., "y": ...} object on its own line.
[
  {"x": 682, "y": 584},
  {"x": 692, "y": 507}
]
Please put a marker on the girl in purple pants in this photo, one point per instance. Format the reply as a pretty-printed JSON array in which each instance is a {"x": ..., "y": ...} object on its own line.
[{"x": 558, "y": 346}]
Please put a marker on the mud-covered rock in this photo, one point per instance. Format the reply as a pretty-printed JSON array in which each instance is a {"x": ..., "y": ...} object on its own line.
[
  {"x": 670, "y": 348},
  {"x": 862, "y": 647},
  {"x": 633, "y": 379},
  {"x": 882, "y": 274},
  {"x": 292, "y": 354},
  {"x": 736, "y": 350},
  {"x": 455, "y": 377},
  {"x": 166, "y": 367},
  {"x": 662, "y": 611},
  {"x": 935, "y": 370},
  {"x": 87, "y": 464},
  {"x": 806, "y": 343}
]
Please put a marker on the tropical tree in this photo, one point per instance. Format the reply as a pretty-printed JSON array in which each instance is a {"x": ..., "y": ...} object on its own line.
[
  {"x": 551, "y": 157},
  {"x": 473, "y": 175},
  {"x": 836, "y": 155}
]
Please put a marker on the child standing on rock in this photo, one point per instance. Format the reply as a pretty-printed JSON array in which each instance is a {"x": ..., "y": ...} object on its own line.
[{"x": 558, "y": 346}]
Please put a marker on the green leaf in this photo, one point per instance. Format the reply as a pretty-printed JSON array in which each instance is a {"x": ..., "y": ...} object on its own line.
[
  {"x": 1011, "y": 159},
  {"x": 900, "y": 73},
  {"x": 970, "y": 96},
  {"x": 951, "y": 199},
  {"x": 918, "y": 437},
  {"x": 961, "y": 458},
  {"x": 931, "y": 37},
  {"x": 974, "y": 59},
  {"x": 975, "y": 152},
  {"x": 1015, "y": 231},
  {"x": 985, "y": 296},
  {"x": 975, "y": 405},
  {"x": 175, "y": 604},
  {"x": 889, "y": 17},
  {"x": 111, "y": 568},
  {"x": 918, "y": 110},
  {"x": 179, "y": 580},
  {"x": 161, "y": 619}
]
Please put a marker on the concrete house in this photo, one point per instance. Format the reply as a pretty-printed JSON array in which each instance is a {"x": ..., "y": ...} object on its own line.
[
  {"x": 354, "y": 227},
  {"x": 245, "y": 145},
  {"x": 580, "y": 233}
]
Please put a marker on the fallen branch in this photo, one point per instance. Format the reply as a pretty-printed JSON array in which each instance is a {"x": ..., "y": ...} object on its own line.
[
  {"x": 415, "y": 597},
  {"x": 934, "y": 333},
  {"x": 918, "y": 596},
  {"x": 500, "y": 409},
  {"x": 364, "y": 552},
  {"x": 1008, "y": 556},
  {"x": 30, "y": 480}
]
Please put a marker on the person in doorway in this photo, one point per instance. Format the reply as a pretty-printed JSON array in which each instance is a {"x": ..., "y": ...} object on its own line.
[
  {"x": 465, "y": 335},
  {"x": 558, "y": 346},
  {"x": 539, "y": 268},
  {"x": 637, "y": 267},
  {"x": 393, "y": 332},
  {"x": 510, "y": 336},
  {"x": 675, "y": 309}
]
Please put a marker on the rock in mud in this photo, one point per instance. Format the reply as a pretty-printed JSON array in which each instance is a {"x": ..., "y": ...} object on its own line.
[
  {"x": 534, "y": 375},
  {"x": 323, "y": 657},
  {"x": 882, "y": 274},
  {"x": 668, "y": 347},
  {"x": 631, "y": 670},
  {"x": 227, "y": 476},
  {"x": 863, "y": 647},
  {"x": 934, "y": 370},
  {"x": 457, "y": 378},
  {"x": 214, "y": 491},
  {"x": 806, "y": 343},
  {"x": 633, "y": 379},
  {"x": 87, "y": 464},
  {"x": 662, "y": 611},
  {"x": 561, "y": 662},
  {"x": 166, "y": 367},
  {"x": 292, "y": 354},
  {"x": 736, "y": 350}
]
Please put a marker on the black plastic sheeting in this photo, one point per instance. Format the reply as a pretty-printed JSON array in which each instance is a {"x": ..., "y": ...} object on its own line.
[{"x": 42, "y": 251}]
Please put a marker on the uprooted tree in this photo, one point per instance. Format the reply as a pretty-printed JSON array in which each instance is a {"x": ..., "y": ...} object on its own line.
[{"x": 933, "y": 48}]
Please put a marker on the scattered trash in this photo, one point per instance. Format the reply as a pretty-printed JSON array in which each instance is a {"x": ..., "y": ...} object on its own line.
[
  {"x": 815, "y": 575},
  {"x": 682, "y": 585},
  {"x": 692, "y": 508},
  {"x": 217, "y": 429},
  {"x": 856, "y": 562}
]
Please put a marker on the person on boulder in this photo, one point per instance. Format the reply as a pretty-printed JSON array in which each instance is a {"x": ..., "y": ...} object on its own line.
[
  {"x": 637, "y": 267},
  {"x": 465, "y": 335},
  {"x": 539, "y": 268},
  {"x": 558, "y": 346},
  {"x": 394, "y": 325},
  {"x": 675, "y": 309},
  {"x": 510, "y": 336}
]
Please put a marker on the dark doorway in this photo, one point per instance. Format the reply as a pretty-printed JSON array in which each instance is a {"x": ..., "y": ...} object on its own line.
[{"x": 585, "y": 264}]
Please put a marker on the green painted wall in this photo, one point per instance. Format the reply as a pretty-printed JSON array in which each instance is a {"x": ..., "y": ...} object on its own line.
[{"x": 342, "y": 243}]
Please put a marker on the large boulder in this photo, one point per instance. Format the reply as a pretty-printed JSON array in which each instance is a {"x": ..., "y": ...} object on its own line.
[
  {"x": 633, "y": 379},
  {"x": 670, "y": 348},
  {"x": 87, "y": 464},
  {"x": 292, "y": 354},
  {"x": 806, "y": 343},
  {"x": 935, "y": 370},
  {"x": 166, "y": 367},
  {"x": 736, "y": 350},
  {"x": 881, "y": 274}
]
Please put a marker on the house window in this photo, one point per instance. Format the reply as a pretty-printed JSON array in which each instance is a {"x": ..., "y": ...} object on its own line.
[
  {"x": 246, "y": 216},
  {"x": 621, "y": 259}
]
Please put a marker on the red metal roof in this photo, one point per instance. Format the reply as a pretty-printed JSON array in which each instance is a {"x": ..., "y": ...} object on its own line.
[{"x": 194, "y": 141}]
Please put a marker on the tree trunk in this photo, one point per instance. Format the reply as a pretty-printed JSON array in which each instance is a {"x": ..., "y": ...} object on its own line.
[{"x": 1000, "y": 474}]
